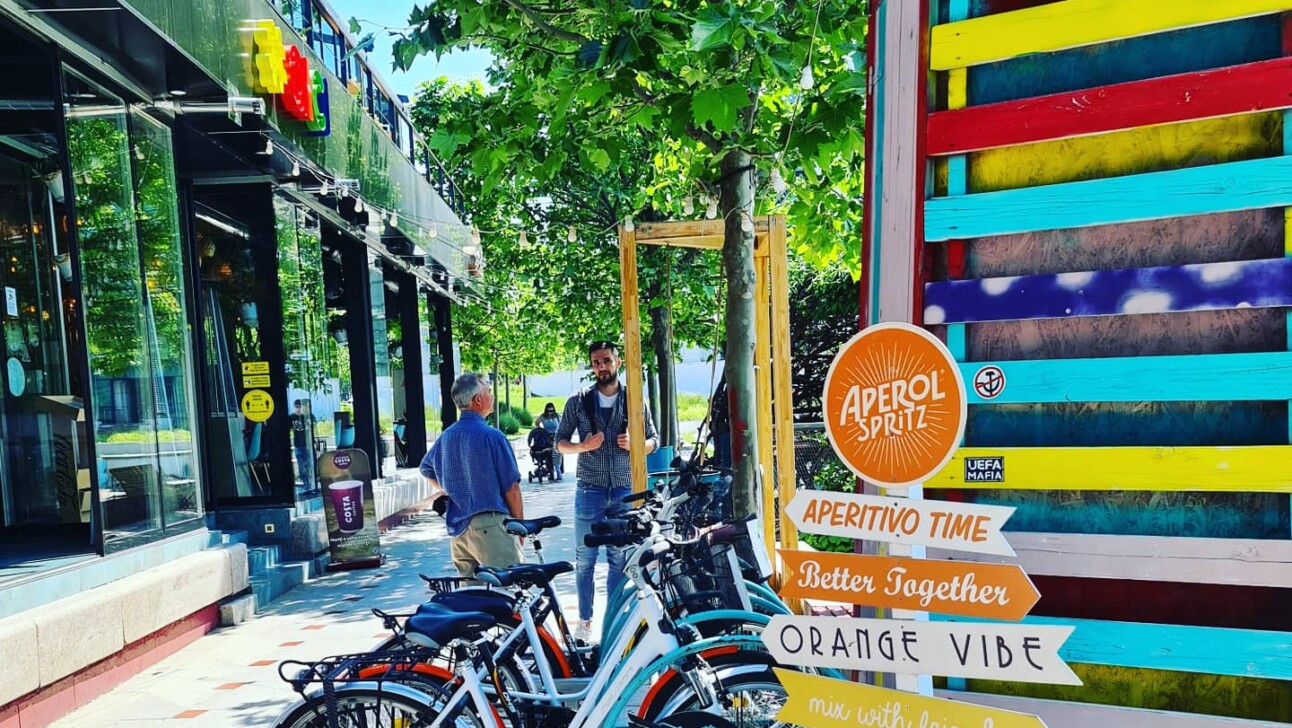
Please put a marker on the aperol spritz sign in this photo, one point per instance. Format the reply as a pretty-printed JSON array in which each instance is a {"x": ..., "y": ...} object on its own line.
[{"x": 894, "y": 404}]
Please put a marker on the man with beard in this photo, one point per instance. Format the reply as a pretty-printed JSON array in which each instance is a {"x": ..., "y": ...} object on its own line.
[{"x": 599, "y": 414}]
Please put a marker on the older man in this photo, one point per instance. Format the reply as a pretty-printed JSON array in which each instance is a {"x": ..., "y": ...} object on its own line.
[{"x": 475, "y": 466}]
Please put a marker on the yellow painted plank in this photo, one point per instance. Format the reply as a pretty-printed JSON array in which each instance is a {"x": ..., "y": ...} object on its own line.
[
  {"x": 1133, "y": 151},
  {"x": 782, "y": 374},
  {"x": 633, "y": 356},
  {"x": 657, "y": 233},
  {"x": 763, "y": 391},
  {"x": 1075, "y": 23},
  {"x": 703, "y": 242},
  {"x": 1263, "y": 469}
]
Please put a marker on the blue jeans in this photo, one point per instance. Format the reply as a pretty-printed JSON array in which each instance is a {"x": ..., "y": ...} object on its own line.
[
  {"x": 590, "y": 505},
  {"x": 305, "y": 461}
]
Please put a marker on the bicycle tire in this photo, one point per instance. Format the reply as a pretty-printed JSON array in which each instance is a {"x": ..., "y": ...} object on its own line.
[
  {"x": 756, "y": 695},
  {"x": 372, "y": 706}
]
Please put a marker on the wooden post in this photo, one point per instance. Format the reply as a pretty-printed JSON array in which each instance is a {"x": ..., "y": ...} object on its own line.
[
  {"x": 783, "y": 399},
  {"x": 763, "y": 391},
  {"x": 633, "y": 356}
]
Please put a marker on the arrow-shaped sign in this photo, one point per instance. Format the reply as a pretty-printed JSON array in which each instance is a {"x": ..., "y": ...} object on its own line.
[
  {"x": 1017, "y": 652},
  {"x": 821, "y": 702},
  {"x": 958, "y": 526},
  {"x": 990, "y": 591}
]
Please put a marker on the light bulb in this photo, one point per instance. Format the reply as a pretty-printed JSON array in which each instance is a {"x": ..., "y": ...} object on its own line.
[
  {"x": 345, "y": 192},
  {"x": 807, "y": 81},
  {"x": 712, "y": 211},
  {"x": 296, "y": 168},
  {"x": 324, "y": 189},
  {"x": 628, "y": 224},
  {"x": 778, "y": 182},
  {"x": 269, "y": 147},
  {"x": 524, "y": 239},
  {"x": 688, "y": 206},
  {"x": 746, "y": 222},
  {"x": 571, "y": 235},
  {"x": 358, "y": 204},
  {"x": 433, "y": 231},
  {"x": 394, "y": 219},
  {"x": 475, "y": 235},
  {"x": 139, "y": 153}
]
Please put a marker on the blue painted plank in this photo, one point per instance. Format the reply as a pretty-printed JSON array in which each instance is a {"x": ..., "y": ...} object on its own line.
[
  {"x": 1134, "y": 59},
  {"x": 1246, "y": 185},
  {"x": 1204, "y": 287},
  {"x": 1220, "y": 377},
  {"x": 1206, "y": 650}
]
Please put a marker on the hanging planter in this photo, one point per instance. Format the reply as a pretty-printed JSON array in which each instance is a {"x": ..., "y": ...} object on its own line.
[{"x": 54, "y": 183}]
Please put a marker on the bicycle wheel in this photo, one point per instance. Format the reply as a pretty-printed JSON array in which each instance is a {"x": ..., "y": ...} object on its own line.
[
  {"x": 755, "y": 697},
  {"x": 387, "y": 706}
]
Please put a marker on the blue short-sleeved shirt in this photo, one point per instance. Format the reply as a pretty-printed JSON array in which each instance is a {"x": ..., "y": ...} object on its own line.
[{"x": 475, "y": 465}]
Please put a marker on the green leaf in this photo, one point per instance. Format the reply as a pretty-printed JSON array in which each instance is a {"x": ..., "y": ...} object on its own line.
[
  {"x": 711, "y": 29},
  {"x": 594, "y": 93},
  {"x": 355, "y": 27},
  {"x": 599, "y": 158},
  {"x": 589, "y": 53},
  {"x": 719, "y": 106}
]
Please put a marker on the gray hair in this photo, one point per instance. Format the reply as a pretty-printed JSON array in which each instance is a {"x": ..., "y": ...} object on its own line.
[{"x": 466, "y": 387}]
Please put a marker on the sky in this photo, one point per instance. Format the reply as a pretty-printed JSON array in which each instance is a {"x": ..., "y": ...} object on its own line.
[{"x": 460, "y": 66}]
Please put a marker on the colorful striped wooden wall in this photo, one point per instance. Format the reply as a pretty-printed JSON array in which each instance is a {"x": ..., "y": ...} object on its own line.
[{"x": 1099, "y": 208}]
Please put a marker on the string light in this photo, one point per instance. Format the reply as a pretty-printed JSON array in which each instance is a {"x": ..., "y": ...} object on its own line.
[
  {"x": 345, "y": 192},
  {"x": 628, "y": 224},
  {"x": 778, "y": 182},
  {"x": 394, "y": 218},
  {"x": 807, "y": 81},
  {"x": 433, "y": 231},
  {"x": 746, "y": 221},
  {"x": 296, "y": 168},
  {"x": 571, "y": 235},
  {"x": 324, "y": 189},
  {"x": 358, "y": 205},
  {"x": 139, "y": 153},
  {"x": 688, "y": 206},
  {"x": 712, "y": 211},
  {"x": 524, "y": 239},
  {"x": 269, "y": 148}
]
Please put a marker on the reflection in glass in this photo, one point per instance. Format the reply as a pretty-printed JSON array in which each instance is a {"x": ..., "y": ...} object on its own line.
[
  {"x": 171, "y": 359},
  {"x": 125, "y": 422}
]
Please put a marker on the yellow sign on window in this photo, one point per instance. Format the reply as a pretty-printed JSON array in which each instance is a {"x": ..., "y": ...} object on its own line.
[
  {"x": 257, "y": 405},
  {"x": 256, "y": 381},
  {"x": 255, "y": 367}
]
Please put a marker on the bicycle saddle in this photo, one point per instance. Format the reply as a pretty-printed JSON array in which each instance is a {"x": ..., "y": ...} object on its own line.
[
  {"x": 499, "y": 605},
  {"x": 523, "y": 574},
  {"x": 530, "y": 526},
  {"x": 435, "y": 626}
]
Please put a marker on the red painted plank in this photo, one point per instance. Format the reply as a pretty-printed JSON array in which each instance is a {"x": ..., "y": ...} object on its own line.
[{"x": 1260, "y": 86}]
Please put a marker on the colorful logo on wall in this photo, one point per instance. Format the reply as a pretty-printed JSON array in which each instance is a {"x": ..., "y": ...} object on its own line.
[{"x": 282, "y": 70}]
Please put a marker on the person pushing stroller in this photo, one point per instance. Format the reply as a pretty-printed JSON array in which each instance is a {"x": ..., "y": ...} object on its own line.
[{"x": 541, "y": 452}]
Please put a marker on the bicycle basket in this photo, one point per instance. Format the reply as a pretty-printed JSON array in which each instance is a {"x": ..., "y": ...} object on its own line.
[{"x": 702, "y": 577}]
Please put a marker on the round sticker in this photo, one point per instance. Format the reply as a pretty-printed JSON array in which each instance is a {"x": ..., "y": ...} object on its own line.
[
  {"x": 17, "y": 377},
  {"x": 989, "y": 382},
  {"x": 894, "y": 405},
  {"x": 257, "y": 405},
  {"x": 341, "y": 460}
]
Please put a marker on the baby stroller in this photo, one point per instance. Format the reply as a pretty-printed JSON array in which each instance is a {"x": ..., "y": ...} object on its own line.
[{"x": 542, "y": 452}]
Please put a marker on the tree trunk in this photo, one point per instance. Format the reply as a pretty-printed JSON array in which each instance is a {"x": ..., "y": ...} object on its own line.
[
  {"x": 496, "y": 422},
  {"x": 662, "y": 343},
  {"x": 652, "y": 394},
  {"x": 737, "y": 201},
  {"x": 508, "y": 395},
  {"x": 524, "y": 392}
]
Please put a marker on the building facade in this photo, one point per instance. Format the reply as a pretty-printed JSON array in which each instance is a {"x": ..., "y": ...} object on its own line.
[{"x": 225, "y": 251}]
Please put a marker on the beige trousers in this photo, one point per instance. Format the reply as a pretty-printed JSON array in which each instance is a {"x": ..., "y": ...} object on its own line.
[{"x": 484, "y": 543}]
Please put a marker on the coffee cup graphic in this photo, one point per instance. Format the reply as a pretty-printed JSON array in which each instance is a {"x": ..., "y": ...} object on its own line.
[{"x": 347, "y": 504}]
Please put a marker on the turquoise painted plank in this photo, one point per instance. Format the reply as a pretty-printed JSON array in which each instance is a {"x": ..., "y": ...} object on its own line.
[
  {"x": 1246, "y": 185},
  {"x": 1206, "y": 650},
  {"x": 1208, "y": 377}
]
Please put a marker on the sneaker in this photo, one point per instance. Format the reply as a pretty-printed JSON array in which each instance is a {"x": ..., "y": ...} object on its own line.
[{"x": 583, "y": 633}]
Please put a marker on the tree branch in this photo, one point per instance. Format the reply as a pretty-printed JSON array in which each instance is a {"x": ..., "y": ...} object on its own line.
[
  {"x": 700, "y": 135},
  {"x": 533, "y": 17},
  {"x": 531, "y": 46}
]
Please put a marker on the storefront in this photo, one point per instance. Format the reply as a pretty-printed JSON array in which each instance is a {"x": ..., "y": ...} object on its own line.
[{"x": 179, "y": 240}]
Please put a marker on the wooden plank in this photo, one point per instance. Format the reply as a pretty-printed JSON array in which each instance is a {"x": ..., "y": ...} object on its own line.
[
  {"x": 1178, "y": 648},
  {"x": 1246, "y": 185},
  {"x": 901, "y": 84},
  {"x": 633, "y": 356},
  {"x": 1255, "y": 377},
  {"x": 1076, "y": 23},
  {"x": 763, "y": 391},
  {"x": 1261, "y": 86},
  {"x": 1249, "y": 469},
  {"x": 1064, "y": 714},
  {"x": 1166, "y": 289},
  {"x": 702, "y": 242},
  {"x": 658, "y": 233},
  {"x": 782, "y": 373},
  {"x": 1228, "y": 562}
]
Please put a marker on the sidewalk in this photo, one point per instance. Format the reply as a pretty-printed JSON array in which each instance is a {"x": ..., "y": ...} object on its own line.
[{"x": 229, "y": 677}]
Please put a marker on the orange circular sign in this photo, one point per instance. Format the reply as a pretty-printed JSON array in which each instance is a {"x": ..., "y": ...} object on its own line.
[{"x": 894, "y": 404}]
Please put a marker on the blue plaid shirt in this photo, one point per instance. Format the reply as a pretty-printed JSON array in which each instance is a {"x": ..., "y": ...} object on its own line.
[{"x": 475, "y": 465}]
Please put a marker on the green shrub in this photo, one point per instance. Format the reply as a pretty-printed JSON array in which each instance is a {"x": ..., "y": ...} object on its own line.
[
  {"x": 523, "y": 416},
  {"x": 508, "y": 423}
]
